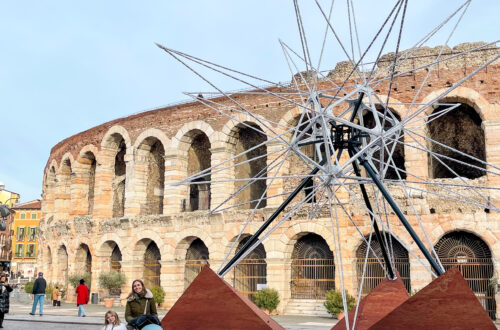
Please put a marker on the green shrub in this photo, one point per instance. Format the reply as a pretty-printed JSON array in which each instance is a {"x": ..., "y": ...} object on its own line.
[
  {"x": 28, "y": 287},
  {"x": 267, "y": 299},
  {"x": 158, "y": 294},
  {"x": 113, "y": 281},
  {"x": 334, "y": 304},
  {"x": 74, "y": 279}
]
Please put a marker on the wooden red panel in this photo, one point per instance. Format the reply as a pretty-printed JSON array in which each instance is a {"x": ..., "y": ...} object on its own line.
[
  {"x": 383, "y": 299},
  {"x": 211, "y": 303},
  {"x": 446, "y": 303}
]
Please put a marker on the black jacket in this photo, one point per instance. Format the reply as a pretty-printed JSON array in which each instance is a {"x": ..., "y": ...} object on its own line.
[
  {"x": 39, "y": 287},
  {"x": 4, "y": 297}
]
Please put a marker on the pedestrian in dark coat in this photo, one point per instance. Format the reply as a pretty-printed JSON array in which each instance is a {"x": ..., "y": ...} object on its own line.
[
  {"x": 82, "y": 297},
  {"x": 5, "y": 290},
  {"x": 38, "y": 293}
]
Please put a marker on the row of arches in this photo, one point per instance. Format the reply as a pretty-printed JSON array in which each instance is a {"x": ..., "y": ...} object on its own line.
[
  {"x": 77, "y": 182},
  {"x": 312, "y": 264}
]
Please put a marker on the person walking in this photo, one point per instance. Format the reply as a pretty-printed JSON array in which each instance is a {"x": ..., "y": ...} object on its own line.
[
  {"x": 59, "y": 297},
  {"x": 55, "y": 293},
  {"x": 82, "y": 297},
  {"x": 38, "y": 293},
  {"x": 112, "y": 322},
  {"x": 141, "y": 307},
  {"x": 5, "y": 290}
]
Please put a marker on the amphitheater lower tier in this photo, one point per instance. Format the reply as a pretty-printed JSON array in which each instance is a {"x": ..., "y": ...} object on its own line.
[{"x": 298, "y": 259}]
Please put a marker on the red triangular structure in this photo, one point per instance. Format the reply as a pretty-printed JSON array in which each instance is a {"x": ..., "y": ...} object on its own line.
[
  {"x": 211, "y": 303},
  {"x": 446, "y": 303},
  {"x": 382, "y": 300}
]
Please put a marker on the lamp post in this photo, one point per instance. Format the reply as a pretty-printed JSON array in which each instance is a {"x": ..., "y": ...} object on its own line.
[{"x": 4, "y": 213}]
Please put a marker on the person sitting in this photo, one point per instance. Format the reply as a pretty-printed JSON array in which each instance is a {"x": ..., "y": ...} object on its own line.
[
  {"x": 141, "y": 307},
  {"x": 112, "y": 322}
]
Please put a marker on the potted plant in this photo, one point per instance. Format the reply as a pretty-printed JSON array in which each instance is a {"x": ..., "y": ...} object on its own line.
[
  {"x": 112, "y": 281},
  {"x": 158, "y": 294},
  {"x": 334, "y": 303},
  {"x": 267, "y": 299}
]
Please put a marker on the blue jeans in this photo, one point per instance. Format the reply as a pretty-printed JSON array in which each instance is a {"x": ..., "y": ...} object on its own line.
[
  {"x": 81, "y": 311},
  {"x": 38, "y": 298}
]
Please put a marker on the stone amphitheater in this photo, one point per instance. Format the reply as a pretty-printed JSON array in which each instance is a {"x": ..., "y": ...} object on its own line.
[{"x": 109, "y": 203}]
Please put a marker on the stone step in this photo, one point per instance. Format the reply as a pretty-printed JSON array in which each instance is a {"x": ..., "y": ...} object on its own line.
[{"x": 306, "y": 307}]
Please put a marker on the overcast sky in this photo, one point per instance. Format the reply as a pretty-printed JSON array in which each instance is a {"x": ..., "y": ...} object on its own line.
[{"x": 66, "y": 66}]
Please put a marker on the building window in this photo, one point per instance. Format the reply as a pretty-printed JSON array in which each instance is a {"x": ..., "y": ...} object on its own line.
[
  {"x": 20, "y": 233},
  {"x": 19, "y": 250},
  {"x": 32, "y": 234},
  {"x": 30, "y": 252},
  {"x": 22, "y": 216},
  {"x": 33, "y": 216}
]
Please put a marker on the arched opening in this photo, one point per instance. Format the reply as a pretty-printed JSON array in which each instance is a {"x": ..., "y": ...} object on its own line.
[
  {"x": 251, "y": 164},
  {"x": 110, "y": 258},
  {"x": 199, "y": 159},
  {"x": 461, "y": 130},
  {"x": 390, "y": 159},
  {"x": 472, "y": 257},
  {"x": 374, "y": 273},
  {"x": 116, "y": 259},
  {"x": 151, "y": 156},
  {"x": 48, "y": 265},
  {"x": 152, "y": 266},
  {"x": 298, "y": 166},
  {"x": 62, "y": 265},
  {"x": 313, "y": 268},
  {"x": 197, "y": 256},
  {"x": 88, "y": 162},
  {"x": 250, "y": 275},
  {"x": 119, "y": 176},
  {"x": 64, "y": 195},
  {"x": 51, "y": 189},
  {"x": 83, "y": 260}
]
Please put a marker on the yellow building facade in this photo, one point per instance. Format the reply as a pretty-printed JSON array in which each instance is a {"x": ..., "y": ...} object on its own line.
[
  {"x": 24, "y": 238},
  {"x": 8, "y": 197}
]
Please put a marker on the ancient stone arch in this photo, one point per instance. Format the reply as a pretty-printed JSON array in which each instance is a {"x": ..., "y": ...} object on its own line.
[
  {"x": 188, "y": 236},
  {"x": 293, "y": 233},
  {"x": 251, "y": 271},
  {"x": 61, "y": 276},
  {"x": 82, "y": 259},
  {"x": 375, "y": 264},
  {"x": 50, "y": 186},
  {"x": 312, "y": 267},
  {"x": 473, "y": 258},
  {"x": 192, "y": 148},
  {"x": 468, "y": 120},
  {"x": 197, "y": 256},
  {"x": 243, "y": 136},
  {"x": 85, "y": 170},
  {"x": 149, "y": 172},
  {"x": 63, "y": 201},
  {"x": 113, "y": 171}
]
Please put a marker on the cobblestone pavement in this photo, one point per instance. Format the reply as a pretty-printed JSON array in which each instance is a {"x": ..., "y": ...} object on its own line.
[
  {"x": 26, "y": 325},
  {"x": 65, "y": 318}
]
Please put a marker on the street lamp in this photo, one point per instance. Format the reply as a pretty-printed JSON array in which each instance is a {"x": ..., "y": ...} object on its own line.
[{"x": 4, "y": 209}]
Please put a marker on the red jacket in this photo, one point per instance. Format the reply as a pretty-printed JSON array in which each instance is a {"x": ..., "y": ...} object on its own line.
[{"x": 82, "y": 295}]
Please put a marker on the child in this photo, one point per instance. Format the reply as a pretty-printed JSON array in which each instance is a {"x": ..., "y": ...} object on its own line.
[
  {"x": 59, "y": 297},
  {"x": 55, "y": 293},
  {"x": 112, "y": 322}
]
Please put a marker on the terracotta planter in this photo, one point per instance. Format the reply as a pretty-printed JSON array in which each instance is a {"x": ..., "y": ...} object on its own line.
[
  {"x": 108, "y": 302},
  {"x": 266, "y": 311},
  {"x": 340, "y": 315}
]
